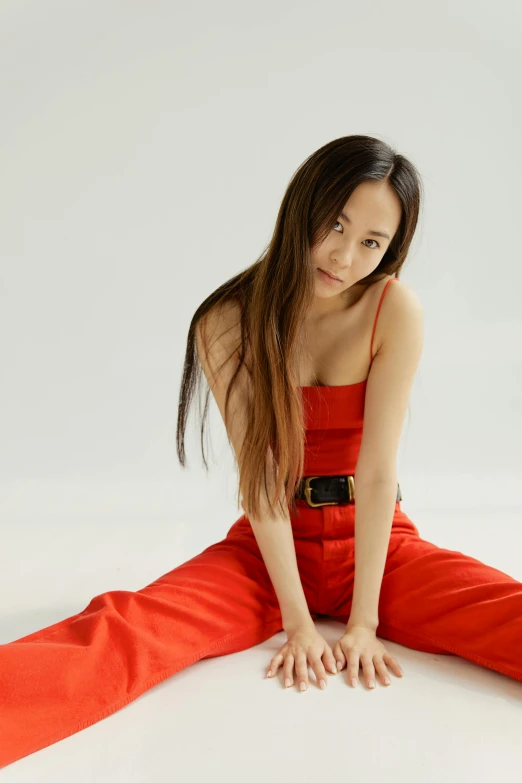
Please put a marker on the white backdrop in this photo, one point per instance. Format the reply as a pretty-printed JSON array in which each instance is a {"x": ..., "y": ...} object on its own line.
[{"x": 144, "y": 151}]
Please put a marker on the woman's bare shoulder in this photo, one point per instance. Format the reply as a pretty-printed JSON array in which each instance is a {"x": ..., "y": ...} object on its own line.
[
  {"x": 218, "y": 333},
  {"x": 399, "y": 297},
  {"x": 400, "y": 303},
  {"x": 223, "y": 318},
  {"x": 401, "y": 310},
  {"x": 403, "y": 297}
]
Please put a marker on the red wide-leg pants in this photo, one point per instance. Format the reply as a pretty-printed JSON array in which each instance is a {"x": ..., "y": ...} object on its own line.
[{"x": 63, "y": 678}]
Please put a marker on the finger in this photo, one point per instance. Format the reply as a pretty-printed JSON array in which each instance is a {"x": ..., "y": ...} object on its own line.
[
  {"x": 275, "y": 663},
  {"x": 368, "y": 669},
  {"x": 329, "y": 661},
  {"x": 319, "y": 671},
  {"x": 382, "y": 671},
  {"x": 301, "y": 670},
  {"x": 393, "y": 664},
  {"x": 353, "y": 668},
  {"x": 288, "y": 669},
  {"x": 340, "y": 660}
]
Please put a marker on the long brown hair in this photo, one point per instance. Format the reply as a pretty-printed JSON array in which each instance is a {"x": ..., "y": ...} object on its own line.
[{"x": 277, "y": 290}]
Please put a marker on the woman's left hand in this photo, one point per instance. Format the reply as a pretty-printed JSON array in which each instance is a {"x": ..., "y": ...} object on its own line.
[{"x": 360, "y": 645}]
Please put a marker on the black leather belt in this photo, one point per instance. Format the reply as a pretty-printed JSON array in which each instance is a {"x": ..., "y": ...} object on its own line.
[{"x": 329, "y": 490}]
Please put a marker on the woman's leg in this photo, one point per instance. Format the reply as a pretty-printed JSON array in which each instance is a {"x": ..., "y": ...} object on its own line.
[
  {"x": 65, "y": 677},
  {"x": 443, "y": 601}
]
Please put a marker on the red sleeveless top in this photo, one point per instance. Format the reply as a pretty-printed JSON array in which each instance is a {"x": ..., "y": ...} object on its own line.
[{"x": 334, "y": 420}]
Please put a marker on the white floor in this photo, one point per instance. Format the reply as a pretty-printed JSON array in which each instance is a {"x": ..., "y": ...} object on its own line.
[{"x": 220, "y": 718}]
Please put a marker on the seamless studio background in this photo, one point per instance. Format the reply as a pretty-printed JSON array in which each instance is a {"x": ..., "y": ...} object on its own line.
[{"x": 145, "y": 148}]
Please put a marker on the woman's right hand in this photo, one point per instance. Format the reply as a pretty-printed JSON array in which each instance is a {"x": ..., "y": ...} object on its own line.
[{"x": 304, "y": 647}]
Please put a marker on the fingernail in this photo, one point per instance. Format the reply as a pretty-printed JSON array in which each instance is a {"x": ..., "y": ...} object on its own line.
[
  {"x": 322, "y": 684},
  {"x": 333, "y": 669},
  {"x": 387, "y": 681},
  {"x": 371, "y": 684},
  {"x": 339, "y": 666},
  {"x": 302, "y": 687},
  {"x": 287, "y": 683},
  {"x": 355, "y": 682}
]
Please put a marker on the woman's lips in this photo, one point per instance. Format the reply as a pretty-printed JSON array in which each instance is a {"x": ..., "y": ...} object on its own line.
[{"x": 329, "y": 277}]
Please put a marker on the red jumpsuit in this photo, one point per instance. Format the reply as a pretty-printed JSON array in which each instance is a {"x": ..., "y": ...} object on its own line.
[{"x": 63, "y": 678}]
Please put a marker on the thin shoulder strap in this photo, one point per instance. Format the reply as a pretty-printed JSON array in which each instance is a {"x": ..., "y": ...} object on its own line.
[{"x": 377, "y": 314}]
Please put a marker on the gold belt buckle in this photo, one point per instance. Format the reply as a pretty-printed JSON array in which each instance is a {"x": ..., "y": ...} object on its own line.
[{"x": 308, "y": 492}]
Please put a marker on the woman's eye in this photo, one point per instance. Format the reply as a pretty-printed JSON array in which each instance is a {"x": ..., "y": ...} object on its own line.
[{"x": 338, "y": 223}]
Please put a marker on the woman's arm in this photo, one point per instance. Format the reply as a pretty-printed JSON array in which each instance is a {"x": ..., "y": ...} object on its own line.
[
  {"x": 277, "y": 546},
  {"x": 387, "y": 394},
  {"x": 274, "y": 537}
]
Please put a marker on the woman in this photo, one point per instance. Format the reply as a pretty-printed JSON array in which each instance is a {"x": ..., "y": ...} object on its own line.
[{"x": 312, "y": 376}]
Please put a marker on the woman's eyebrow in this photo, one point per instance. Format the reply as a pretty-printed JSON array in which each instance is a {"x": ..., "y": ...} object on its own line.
[{"x": 375, "y": 233}]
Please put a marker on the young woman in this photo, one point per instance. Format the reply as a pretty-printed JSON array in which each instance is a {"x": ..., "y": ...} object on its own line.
[{"x": 310, "y": 355}]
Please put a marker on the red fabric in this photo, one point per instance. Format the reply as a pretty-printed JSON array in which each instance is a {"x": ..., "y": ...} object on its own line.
[{"x": 70, "y": 675}]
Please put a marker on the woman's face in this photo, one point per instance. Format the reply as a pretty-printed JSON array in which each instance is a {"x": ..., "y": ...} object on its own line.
[{"x": 358, "y": 239}]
